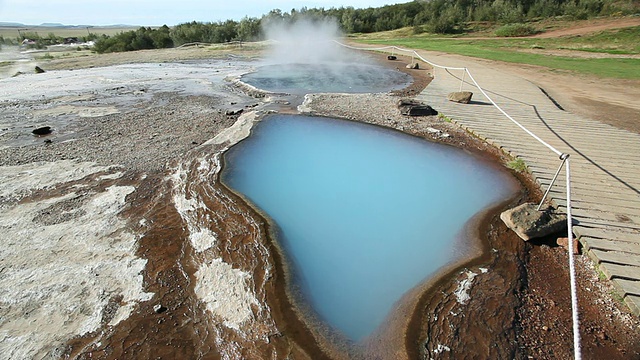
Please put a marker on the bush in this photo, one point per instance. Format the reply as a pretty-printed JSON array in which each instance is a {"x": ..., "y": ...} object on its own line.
[
  {"x": 447, "y": 23},
  {"x": 512, "y": 30},
  {"x": 141, "y": 39}
]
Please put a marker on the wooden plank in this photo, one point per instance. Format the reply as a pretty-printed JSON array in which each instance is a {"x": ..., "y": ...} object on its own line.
[
  {"x": 568, "y": 132},
  {"x": 626, "y": 219},
  {"x": 593, "y": 222},
  {"x": 625, "y": 177},
  {"x": 577, "y": 195},
  {"x": 628, "y": 287},
  {"x": 604, "y": 234},
  {"x": 609, "y": 245},
  {"x": 595, "y": 205},
  {"x": 615, "y": 257},
  {"x": 614, "y": 271},
  {"x": 584, "y": 193},
  {"x": 633, "y": 302},
  {"x": 501, "y": 126},
  {"x": 587, "y": 176}
]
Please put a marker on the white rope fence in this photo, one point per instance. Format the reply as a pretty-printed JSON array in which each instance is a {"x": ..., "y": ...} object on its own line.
[{"x": 565, "y": 160}]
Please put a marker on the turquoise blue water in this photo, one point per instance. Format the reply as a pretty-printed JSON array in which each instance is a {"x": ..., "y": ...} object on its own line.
[{"x": 363, "y": 213}]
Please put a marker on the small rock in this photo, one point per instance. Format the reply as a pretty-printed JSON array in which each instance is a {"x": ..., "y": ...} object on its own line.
[
  {"x": 415, "y": 108},
  {"x": 234, "y": 112},
  {"x": 159, "y": 309},
  {"x": 545, "y": 328},
  {"x": 463, "y": 97},
  {"x": 564, "y": 242},
  {"x": 391, "y": 57},
  {"x": 39, "y": 70},
  {"x": 413, "y": 66},
  {"x": 48, "y": 141},
  {"x": 45, "y": 130}
]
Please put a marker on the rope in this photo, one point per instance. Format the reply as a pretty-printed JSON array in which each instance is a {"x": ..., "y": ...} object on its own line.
[{"x": 563, "y": 157}]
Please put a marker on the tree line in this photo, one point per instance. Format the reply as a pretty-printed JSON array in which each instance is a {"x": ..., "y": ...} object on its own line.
[{"x": 436, "y": 16}]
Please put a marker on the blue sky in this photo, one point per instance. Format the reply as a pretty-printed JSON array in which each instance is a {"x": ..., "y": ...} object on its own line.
[{"x": 155, "y": 12}]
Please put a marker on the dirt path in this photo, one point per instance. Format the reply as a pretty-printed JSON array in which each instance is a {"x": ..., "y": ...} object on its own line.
[
  {"x": 611, "y": 101},
  {"x": 590, "y": 26}
]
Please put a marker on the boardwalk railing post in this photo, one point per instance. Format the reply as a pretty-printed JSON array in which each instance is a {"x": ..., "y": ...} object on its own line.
[
  {"x": 574, "y": 295},
  {"x": 564, "y": 158}
]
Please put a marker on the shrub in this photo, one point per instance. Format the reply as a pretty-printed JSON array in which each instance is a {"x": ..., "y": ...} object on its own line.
[
  {"x": 511, "y": 30},
  {"x": 448, "y": 22},
  {"x": 517, "y": 164}
]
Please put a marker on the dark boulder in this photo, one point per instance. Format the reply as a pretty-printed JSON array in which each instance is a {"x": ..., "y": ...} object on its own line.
[
  {"x": 415, "y": 108},
  {"x": 392, "y": 57},
  {"x": 234, "y": 112},
  {"x": 45, "y": 130},
  {"x": 39, "y": 70}
]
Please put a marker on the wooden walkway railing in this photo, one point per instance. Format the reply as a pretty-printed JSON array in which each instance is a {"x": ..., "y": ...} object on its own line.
[{"x": 605, "y": 161}]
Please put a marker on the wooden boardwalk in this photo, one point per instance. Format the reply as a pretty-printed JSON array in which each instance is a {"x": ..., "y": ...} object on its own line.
[{"x": 605, "y": 161}]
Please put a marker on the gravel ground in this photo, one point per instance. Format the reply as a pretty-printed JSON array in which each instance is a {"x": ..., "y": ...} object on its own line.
[{"x": 144, "y": 138}]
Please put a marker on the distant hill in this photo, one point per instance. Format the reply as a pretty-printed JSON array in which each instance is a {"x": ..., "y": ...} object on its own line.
[
  {"x": 11, "y": 24},
  {"x": 62, "y": 26},
  {"x": 52, "y": 25}
]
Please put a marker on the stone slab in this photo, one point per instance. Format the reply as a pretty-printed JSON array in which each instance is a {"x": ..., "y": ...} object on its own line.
[{"x": 529, "y": 223}]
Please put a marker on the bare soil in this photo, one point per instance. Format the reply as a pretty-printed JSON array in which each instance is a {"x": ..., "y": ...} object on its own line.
[{"x": 583, "y": 27}]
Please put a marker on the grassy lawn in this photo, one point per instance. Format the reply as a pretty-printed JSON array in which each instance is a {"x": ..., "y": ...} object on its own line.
[
  {"x": 623, "y": 41},
  {"x": 13, "y": 32}
]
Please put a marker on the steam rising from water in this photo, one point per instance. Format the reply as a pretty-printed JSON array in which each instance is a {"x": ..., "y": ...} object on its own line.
[
  {"x": 308, "y": 41},
  {"x": 13, "y": 61},
  {"x": 305, "y": 58}
]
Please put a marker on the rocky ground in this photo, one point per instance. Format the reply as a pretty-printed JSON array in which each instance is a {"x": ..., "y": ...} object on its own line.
[{"x": 119, "y": 242}]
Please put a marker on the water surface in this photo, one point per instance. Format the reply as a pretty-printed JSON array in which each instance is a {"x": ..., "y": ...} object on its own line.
[
  {"x": 363, "y": 213},
  {"x": 336, "y": 77}
]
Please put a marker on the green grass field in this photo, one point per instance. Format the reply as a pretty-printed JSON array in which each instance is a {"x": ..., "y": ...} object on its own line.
[
  {"x": 12, "y": 32},
  {"x": 523, "y": 50}
]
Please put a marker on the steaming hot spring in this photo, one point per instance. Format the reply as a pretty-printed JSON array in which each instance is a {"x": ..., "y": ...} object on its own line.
[
  {"x": 306, "y": 59},
  {"x": 340, "y": 76}
]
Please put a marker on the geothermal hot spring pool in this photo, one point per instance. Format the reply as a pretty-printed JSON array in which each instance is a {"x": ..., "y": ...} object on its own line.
[
  {"x": 337, "y": 77},
  {"x": 363, "y": 213}
]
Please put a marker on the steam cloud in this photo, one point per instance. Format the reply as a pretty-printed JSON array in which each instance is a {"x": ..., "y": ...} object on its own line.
[
  {"x": 308, "y": 41},
  {"x": 305, "y": 58}
]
